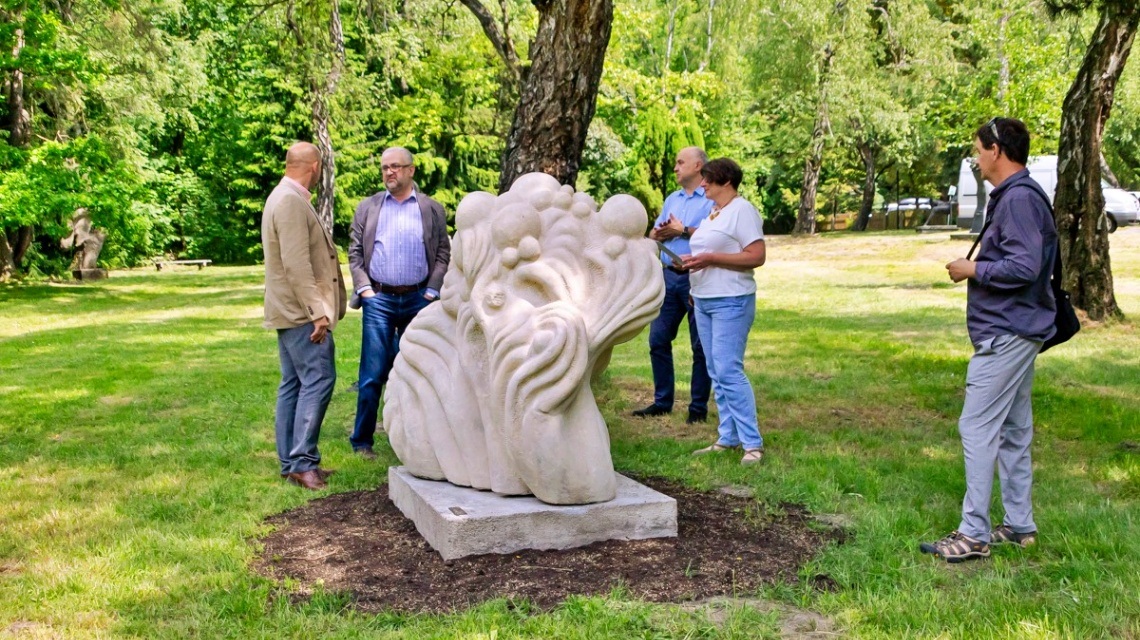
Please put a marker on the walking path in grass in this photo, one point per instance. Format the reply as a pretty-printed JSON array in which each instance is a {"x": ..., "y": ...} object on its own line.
[{"x": 137, "y": 468}]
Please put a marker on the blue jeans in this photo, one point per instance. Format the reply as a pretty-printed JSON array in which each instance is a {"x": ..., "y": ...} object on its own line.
[
  {"x": 724, "y": 325},
  {"x": 308, "y": 375},
  {"x": 663, "y": 332},
  {"x": 386, "y": 317}
]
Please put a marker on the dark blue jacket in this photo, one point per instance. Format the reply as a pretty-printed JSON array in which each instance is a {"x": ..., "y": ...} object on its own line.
[{"x": 1010, "y": 293}]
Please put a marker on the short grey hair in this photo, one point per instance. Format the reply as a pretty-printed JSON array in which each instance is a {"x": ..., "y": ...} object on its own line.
[
  {"x": 409, "y": 158},
  {"x": 702, "y": 157}
]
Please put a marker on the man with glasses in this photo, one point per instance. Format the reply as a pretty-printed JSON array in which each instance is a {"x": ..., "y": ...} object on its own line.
[
  {"x": 398, "y": 253},
  {"x": 1010, "y": 312}
]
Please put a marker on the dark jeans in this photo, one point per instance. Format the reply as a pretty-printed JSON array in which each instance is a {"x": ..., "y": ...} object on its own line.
[
  {"x": 386, "y": 317},
  {"x": 661, "y": 335},
  {"x": 308, "y": 374}
]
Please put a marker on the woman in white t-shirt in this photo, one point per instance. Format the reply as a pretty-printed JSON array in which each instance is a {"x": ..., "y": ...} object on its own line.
[{"x": 727, "y": 247}]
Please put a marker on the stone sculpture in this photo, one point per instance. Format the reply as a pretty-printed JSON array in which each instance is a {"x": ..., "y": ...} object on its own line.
[
  {"x": 88, "y": 242},
  {"x": 491, "y": 389}
]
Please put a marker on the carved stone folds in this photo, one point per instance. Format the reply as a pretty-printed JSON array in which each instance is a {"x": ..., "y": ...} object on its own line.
[{"x": 491, "y": 389}]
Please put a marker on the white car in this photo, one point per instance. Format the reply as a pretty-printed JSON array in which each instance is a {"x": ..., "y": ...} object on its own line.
[
  {"x": 910, "y": 204},
  {"x": 1121, "y": 206}
]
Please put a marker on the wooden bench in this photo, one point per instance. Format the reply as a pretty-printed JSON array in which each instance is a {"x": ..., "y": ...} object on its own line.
[{"x": 159, "y": 264}]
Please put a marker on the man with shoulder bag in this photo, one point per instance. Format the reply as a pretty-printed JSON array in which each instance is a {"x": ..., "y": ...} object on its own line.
[{"x": 1012, "y": 313}]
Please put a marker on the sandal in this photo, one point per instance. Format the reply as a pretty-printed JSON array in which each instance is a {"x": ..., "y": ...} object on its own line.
[
  {"x": 716, "y": 447},
  {"x": 752, "y": 456}
]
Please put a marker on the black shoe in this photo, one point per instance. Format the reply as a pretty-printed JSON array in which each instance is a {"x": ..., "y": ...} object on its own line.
[
  {"x": 365, "y": 452},
  {"x": 652, "y": 410},
  {"x": 697, "y": 417}
]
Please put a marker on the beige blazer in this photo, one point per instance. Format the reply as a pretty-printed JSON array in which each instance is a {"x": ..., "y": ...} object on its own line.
[{"x": 303, "y": 280}]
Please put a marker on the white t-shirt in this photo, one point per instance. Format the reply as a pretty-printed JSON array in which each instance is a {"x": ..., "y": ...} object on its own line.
[{"x": 729, "y": 230}]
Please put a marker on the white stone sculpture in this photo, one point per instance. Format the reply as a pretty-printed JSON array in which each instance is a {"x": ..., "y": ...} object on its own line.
[{"x": 491, "y": 388}]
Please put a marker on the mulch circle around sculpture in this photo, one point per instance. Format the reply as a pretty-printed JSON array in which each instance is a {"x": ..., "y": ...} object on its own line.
[{"x": 361, "y": 544}]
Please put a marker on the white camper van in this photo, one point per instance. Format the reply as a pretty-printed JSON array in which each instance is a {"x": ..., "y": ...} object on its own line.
[{"x": 1121, "y": 206}]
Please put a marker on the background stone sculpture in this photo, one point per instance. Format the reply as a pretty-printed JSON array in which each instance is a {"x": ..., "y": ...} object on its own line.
[
  {"x": 88, "y": 242},
  {"x": 491, "y": 389}
]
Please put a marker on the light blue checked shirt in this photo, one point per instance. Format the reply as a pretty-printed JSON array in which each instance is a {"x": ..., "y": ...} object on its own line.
[{"x": 398, "y": 256}]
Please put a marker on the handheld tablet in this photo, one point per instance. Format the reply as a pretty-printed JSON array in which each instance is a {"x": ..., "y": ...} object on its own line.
[{"x": 674, "y": 258}]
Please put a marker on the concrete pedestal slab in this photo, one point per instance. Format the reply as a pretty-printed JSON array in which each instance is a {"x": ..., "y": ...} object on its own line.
[{"x": 458, "y": 521}]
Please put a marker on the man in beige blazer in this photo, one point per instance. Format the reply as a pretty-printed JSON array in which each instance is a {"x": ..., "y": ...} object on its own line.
[{"x": 304, "y": 298}]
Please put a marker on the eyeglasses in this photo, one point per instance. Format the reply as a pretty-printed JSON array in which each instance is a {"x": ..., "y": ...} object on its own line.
[{"x": 393, "y": 167}]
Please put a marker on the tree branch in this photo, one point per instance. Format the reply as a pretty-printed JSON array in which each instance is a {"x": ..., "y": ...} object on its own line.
[{"x": 499, "y": 38}]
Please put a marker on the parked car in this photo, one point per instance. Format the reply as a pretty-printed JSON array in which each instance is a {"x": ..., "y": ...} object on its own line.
[
  {"x": 1120, "y": 206},
  {"x": 928, "y": 208},
  {"x": 910, "y": 204}
]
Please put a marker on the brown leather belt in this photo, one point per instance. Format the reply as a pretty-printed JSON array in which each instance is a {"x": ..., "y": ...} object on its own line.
[{"x": 397, "y": 289}]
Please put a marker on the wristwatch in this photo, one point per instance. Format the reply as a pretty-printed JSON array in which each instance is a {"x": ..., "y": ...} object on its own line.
[{"x": 685, "y": 233}]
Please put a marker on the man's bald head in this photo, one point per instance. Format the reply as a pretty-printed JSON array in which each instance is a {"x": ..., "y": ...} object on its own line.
[
  {"x": 302, "y": 153},
  {"x": 696, "y": 154},
  {"x": 303, "y": 163},
  {"x": 687, "y": 169}
]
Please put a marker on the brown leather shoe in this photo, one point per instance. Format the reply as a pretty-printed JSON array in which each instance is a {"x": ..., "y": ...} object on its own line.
[
  {"x": 310, "y": 480},
  {"x": 323, "y": 473}
]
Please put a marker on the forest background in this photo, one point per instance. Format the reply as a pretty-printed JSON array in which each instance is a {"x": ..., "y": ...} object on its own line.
[{"x": 168, "y": 119}]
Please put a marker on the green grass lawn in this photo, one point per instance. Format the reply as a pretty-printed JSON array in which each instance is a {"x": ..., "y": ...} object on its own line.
[{"x": 137, "y": 461}]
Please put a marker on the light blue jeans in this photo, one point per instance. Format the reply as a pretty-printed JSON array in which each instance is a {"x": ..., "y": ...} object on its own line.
[{"x": 724, "y": 324}]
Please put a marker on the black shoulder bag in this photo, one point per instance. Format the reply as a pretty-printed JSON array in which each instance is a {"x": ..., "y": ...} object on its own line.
[{"x": 1065, "y": 320}]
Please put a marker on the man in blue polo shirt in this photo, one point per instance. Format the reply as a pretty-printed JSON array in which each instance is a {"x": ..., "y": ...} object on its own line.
[{"x": 682, "y": 213}]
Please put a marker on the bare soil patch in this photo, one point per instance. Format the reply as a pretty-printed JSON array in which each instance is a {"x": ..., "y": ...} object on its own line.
[{"x": 361, "y": 544}]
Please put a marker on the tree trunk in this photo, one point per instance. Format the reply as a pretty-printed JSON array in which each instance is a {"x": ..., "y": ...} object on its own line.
[
  {"x": 14, "y": 244},
  {"x": 1003, "y": 60},
  {"x": 805, "y": 220},
  {"x": 1106, "y": 172},
  {"x": 23, "y": 240},
  {"x": 867, "y": 154},
  {"x": 669, "y": 35},
  {"x": 326, "y": 195},
  {"x": 20, "y": 121},
  {"x": 500, "y": 38},
  {"x": 1079, "y": 203},
  {"x": 559, "y": 93},
  {"x": 7, "y": 264},
  {"x": 708, "y": 38}
]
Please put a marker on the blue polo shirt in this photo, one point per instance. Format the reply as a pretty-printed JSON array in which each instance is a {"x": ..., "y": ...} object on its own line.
[{"x": 691, "y": 210}]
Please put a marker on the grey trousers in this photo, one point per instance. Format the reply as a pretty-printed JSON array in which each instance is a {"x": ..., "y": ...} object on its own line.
[
  {"x": 308, "y": 374},
  {"x": 997, "y": 429}
]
